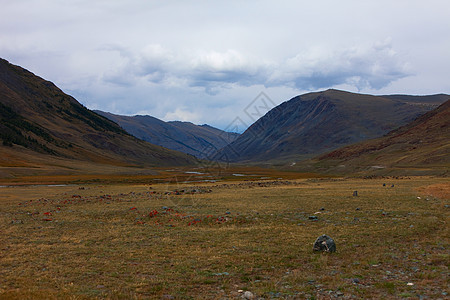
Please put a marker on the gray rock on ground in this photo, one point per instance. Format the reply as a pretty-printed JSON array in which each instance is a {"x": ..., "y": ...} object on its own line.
[{"x": 324, "y": 243}]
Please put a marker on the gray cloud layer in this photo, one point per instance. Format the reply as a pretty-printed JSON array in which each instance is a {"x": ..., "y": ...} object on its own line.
[
  {"x": 204, "y": 61},
  {"x": 374, "y": 66}
]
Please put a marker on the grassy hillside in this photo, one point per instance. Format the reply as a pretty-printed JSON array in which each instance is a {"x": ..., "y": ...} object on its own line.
[
  {"x": 422, "y": 146},
  {"x": 315, "y": 123},
  {"x": 36, "y": 115}
]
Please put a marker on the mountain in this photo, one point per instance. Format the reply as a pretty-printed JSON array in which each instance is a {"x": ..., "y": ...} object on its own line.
[
  {"x": 315, "y": 123},
  {"x": 197, "y": 140},
  {"x": 39, "y": 122},
  {"x": 431, "y": 100},
  {"x": 423, "y": 143}
]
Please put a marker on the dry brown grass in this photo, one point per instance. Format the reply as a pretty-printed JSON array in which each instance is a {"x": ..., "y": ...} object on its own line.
[{"x": 106, "y": 241}]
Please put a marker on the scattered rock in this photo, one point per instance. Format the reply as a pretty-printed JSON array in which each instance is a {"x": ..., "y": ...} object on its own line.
[
  {"x": 248, "y": 295},
  {"x": 355, "y": 193},
  {"x": 221, "y": 274},
  {"x": 313, "y": 218},
  {"x": 355, "y": 280},
  {"x": 324, "y": 243}
]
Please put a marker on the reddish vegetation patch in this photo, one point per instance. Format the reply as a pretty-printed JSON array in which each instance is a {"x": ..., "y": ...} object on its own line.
[{"x": 440, "y": 190}]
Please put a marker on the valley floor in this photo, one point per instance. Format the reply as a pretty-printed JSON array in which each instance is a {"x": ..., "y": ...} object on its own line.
[{"x": 216, "y": 240}]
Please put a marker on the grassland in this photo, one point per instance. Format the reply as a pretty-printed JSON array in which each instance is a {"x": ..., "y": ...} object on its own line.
[{"x": 211, "y": 240}]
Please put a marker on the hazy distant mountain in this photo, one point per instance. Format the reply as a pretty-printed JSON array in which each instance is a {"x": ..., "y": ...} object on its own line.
[
  {"x": 198, "y": 140},
  {"x": 425, "y": 143},
  {"x": 37, "y": 117},
  {"x": 315, "y": 123}
]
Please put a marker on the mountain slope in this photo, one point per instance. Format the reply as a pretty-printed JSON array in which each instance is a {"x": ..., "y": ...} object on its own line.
[
  {"x": 198, "y": 140},
  {"x": 430, "y": 100},
  {"x": 36, "y": 115},
  {"x": 425, "y": 142},
  {"x": 316, "y": 123}
]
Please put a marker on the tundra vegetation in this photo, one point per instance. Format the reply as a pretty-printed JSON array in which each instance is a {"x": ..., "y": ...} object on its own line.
[{"x": 136, "y": 238}]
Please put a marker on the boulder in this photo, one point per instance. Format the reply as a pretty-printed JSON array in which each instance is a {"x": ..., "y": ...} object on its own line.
[
  {"x": 324, "y": 243},
  {"x": 248, "y": 295}
]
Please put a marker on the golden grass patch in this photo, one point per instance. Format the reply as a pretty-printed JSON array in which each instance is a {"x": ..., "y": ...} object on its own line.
[{"x": 212, "y": 239}]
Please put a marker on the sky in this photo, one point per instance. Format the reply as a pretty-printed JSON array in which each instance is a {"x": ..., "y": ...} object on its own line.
[{"x": 208, "y": 61}]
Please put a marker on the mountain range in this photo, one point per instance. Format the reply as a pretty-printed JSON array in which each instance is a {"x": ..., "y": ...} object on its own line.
[
  {"x": 197, "y": 140},
  {"x": 421, "y": 145},
  {"x": 42, "y": 128},
  {"x": 315, "y": 123},
  {"x": 37, "y": 118}
]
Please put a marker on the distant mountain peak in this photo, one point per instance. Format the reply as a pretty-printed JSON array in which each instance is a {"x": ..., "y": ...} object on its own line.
[
  {"x": 318, "y": 122},
  {"x": 197, "y": 140}
]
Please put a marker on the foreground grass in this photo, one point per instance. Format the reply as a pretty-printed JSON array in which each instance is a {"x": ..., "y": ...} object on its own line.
[{"x": 213, "y": 240}]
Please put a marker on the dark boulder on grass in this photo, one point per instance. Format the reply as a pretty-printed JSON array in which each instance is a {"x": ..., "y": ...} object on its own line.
[{"x": 324, "y": 244}]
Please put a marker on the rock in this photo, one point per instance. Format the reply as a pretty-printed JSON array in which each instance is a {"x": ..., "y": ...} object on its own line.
[
  {"x": 355, "y": 193},
  {"x": 324, "y": 243},
  {"x": 313, "y": 218},
  {"x": 248, "y": 295}
]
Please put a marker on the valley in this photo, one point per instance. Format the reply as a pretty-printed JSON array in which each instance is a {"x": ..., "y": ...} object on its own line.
[{"x": 90, "y": 209}]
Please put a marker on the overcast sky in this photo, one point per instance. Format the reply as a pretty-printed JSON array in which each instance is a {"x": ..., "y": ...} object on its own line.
[{"x": 205, "y": 61}]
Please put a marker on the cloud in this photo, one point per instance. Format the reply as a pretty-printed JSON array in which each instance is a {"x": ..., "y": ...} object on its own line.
[
  {"x": 374, "y": 66},
  {"x": 182, "y": 115},
  {"x": 131, "y": 56}
]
